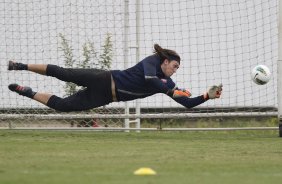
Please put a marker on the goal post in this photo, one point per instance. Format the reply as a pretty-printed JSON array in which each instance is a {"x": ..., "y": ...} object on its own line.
[
  {"x": 279, "y": 70},
  {"x": 218, "y": 41}
]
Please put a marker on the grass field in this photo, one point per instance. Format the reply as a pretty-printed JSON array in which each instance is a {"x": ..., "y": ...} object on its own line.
[{"x": 34, "y": 157}]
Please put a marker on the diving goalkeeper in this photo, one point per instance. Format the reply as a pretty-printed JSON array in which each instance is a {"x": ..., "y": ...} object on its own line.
[{"x": 146, "y": 78}]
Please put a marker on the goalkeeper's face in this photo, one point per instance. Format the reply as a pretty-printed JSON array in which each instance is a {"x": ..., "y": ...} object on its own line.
[{"x": 169, "y": 67}]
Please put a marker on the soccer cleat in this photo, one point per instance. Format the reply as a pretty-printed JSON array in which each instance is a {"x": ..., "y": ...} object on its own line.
[
  {"x": 22, "y": 90},
  {"x": 16, "y": 66}
]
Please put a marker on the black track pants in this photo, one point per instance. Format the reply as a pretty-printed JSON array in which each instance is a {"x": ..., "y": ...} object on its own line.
[{"x": 97, "y": 92}]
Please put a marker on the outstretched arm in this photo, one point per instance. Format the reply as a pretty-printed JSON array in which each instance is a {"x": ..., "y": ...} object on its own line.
[
  {"x": 212, "y": 93},
  {"x": 190, "y": 102}
]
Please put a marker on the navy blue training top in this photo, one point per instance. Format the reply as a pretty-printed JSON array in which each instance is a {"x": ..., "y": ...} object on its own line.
[{"x": 146, "y": 78}]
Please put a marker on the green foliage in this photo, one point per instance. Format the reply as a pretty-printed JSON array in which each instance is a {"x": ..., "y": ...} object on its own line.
[
  {"x": 69, "y": 60},
  {"x": 88, "y": 54},
  {"x": 91, "y": 58},
  {"x": 67, "y": 50},
  {"x": 107, "y": 54}
]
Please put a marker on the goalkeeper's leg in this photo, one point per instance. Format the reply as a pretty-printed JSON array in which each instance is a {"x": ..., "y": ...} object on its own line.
[
  {"x": 28, "y": 92},
  {"x": 79, "y": 101},
  {"x": 82, "y": 100},
  {"x": 76, "y": 102},
  {"x": 37, "y": 68},
  {"x": 81, "y": 77}
]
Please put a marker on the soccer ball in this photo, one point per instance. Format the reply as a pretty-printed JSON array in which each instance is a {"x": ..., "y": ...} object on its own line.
[{"x": 261, "y": 74}]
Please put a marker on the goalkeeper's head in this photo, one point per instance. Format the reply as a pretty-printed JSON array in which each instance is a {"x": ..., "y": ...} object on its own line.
[
  {"x": 170, "y": 60},
  {"x": 166, "y": 54}
]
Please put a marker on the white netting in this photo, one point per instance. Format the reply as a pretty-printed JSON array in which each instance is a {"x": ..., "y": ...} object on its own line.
[{"x": 218, "y": 41}]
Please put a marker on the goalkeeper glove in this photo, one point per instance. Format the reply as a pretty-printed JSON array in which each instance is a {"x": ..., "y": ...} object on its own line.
[
  {"x": 213, "y": 92},
  {"x": 179, "y": 93}
]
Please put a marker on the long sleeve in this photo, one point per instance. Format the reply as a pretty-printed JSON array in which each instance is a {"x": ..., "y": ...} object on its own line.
[{"x": 190, "y": 102}]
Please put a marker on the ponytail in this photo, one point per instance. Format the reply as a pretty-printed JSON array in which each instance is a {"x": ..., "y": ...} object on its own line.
[{"x": 166, "y": 54}]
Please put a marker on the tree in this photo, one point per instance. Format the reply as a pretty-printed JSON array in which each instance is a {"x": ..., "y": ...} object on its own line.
[{"x": 91, "y": 58}]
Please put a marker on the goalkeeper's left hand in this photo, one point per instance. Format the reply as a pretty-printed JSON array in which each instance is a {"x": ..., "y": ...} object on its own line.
[{"x": 213, "y": 92}]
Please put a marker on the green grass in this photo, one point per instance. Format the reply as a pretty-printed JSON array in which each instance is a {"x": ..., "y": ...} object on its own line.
[{"x": 106, "y": 157}]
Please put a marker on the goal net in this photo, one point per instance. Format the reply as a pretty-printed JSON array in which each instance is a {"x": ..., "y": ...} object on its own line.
[{"x": 218, "y": 41}]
